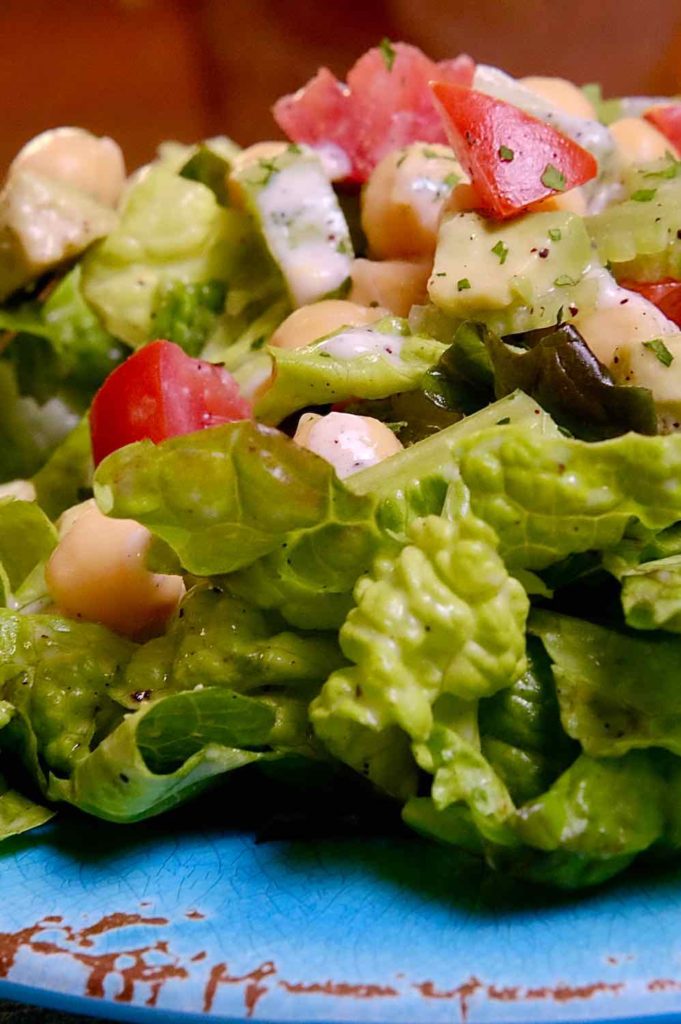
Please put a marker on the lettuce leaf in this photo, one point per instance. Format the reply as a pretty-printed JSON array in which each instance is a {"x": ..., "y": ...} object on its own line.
[
  {"x": 561, "y": 373},
  {"x": 65, "y": 479},
  {"x": 463, "y": 378},
  {"x": 355, "y": 362},
  {"x": 29, "y": 432},
  {"x": 442, "y": 617},
  {"x": 547, "y": 498},
  {"x": 27, "y": 538},
  {"x": 219, "y": 640},
  {"x": 19, "y": 814},
  {"x": 235, "y": 495},
  {"x": 617, "y": 691}
]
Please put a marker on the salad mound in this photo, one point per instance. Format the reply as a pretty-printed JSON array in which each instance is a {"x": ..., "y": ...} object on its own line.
[{"x": 357, "y": 453}]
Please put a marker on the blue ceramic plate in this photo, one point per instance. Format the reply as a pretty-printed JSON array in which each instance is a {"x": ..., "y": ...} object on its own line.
[{"x": 177, "y": 921}]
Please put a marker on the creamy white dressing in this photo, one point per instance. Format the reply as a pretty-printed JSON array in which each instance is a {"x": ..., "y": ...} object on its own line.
[
  {"x": 348, "y": 442},
  {"x": 306, "y": 230},
  {"x": 354, "y": 343}
]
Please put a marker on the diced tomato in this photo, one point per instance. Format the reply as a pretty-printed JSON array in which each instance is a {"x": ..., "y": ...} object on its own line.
[
  {"x": 161, "y": 392},
  {"x": 667, "y": 119},
  {"x": 386, "y": 104},
  {"x": 514, "y": 160},
  {"x": 666, "y": 295}
]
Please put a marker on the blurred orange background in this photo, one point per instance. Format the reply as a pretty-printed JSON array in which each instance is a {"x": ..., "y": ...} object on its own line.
[{"x": 148, "y": 70}]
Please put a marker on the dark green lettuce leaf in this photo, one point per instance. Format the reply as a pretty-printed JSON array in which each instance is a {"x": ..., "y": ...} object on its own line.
[
  {"x": 463, "y": 378},
  {"x": 559, "y": 370}
]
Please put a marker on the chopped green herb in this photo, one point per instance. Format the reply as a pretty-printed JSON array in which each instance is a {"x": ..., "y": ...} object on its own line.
[
  {"x": 672, "y": 169},
  {"x": 500, "y": 250},
  {"x": 506, "y": 154},
  {"x": 270, "y": 167},
  {"x": 387, "y": 52},
  {"x": 258, "y": 343},
  {"x": 555, "y": 234},
  {"x": 463, "y": 284},
  {"x": 441, "y": 273},
  {"x": 564, "y": 280},
  {"x": 660, "y": 351},
  {"x": 502, "y": 423},
  {"x": 430, "y": 154},
  {"x": 403, "y": 156},
  {"x": 450, "y": 180},
  {"x": 294, "y": 149},
  {"x": 644, "y": 195},
  {"x": 559, "y": 316},
  {"x": 553, "y": 178}
]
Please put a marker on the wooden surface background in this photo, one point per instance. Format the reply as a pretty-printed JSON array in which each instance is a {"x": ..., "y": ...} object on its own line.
[{"x": 147, "y": 70}]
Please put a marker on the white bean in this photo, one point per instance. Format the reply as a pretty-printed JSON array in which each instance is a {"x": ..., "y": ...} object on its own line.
[{"x": 72, "y": 155}]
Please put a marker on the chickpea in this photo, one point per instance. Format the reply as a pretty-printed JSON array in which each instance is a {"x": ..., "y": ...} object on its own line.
[
  {"x": 572, "y": 201},
  {"x": 97, "y": 572},
  {"x": 560, "y": 93},
  {"x": 396, "y": 285},
  {"x": 348, "y": 442},
  {"x": 22, "y": 490},
  {"x": 72, "y": 155},
  {"x": 403, "y": 200},
  {"x": 639, "y": 142},
  {"x": 308, "y": 323}
]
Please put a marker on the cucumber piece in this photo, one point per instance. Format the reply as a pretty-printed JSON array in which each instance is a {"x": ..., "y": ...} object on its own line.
[{"x": 640, "y": 237}]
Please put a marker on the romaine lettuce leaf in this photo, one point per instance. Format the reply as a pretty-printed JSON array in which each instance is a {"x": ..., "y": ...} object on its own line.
[
  {"x": 547, "y": 498},
  {"x": 66, "y": 478},
  {"x": 617, "y": 691},
  {"x": 441, "y": 617},
  {"x": 218, "y": 640},
  {"x": 354, "y": 362},
  {"x": 227, "y": 497},
  {"x": 27, "y": 538},
  {"x": 18, "y": 813},
  {"x": 166, "y": 753}
]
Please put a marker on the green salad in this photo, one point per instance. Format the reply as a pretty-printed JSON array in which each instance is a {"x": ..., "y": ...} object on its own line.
[{"x": 355, "y": 452}]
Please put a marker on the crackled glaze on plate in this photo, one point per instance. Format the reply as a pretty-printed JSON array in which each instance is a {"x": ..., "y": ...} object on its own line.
[{"x": 172, "y": 922}]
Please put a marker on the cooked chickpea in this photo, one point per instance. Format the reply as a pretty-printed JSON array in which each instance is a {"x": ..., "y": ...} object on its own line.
[
  {"x": 560, "y": 93},
  {"x": 308, "y": 323},
  {"x": 403, "y": 200},
  {"x": 572, "y": 201},
  {"x": 395, "y": 285},
  {"x": 23, "y": 490},
  {"x": 639, "y": 142},
  {"x": 88, "y": 162},
  {"x": 98, "y": 573},
  {"x": 348, "y": 442}
]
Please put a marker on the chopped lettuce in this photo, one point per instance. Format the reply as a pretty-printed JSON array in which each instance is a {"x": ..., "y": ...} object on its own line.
[
  {"x": 27, "y": 538},
  {"x": 65, "y": 479},
  {"x": 354, "y": 362}
]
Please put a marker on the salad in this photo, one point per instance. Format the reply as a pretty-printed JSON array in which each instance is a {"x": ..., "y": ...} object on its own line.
[{"x": 359, "y": 453}]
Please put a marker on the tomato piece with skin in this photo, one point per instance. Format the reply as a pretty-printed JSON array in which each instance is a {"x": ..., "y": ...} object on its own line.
[
  {"x": 386, "y": 104},
  {"x": 667, "y": 119},
  {"x": 666, "y": 295},
  {"x": 161, "y": 392},
  {"x": 514, "y": 160}
]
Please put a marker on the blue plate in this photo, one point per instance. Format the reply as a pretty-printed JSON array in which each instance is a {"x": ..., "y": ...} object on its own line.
[{"x": 174, "y": 921}]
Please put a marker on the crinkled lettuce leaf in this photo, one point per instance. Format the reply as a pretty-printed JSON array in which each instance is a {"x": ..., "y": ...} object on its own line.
[
  {"x": 463, "y": 377},
  {"x": 187, "y": 313},
  {"x": 354, "y": 362},
  {"x": 18, "y": 813},
  {"x": 229, "y": 497},
  {"x": 547, "y": 497},
  {"x": 441, "y": 617}
]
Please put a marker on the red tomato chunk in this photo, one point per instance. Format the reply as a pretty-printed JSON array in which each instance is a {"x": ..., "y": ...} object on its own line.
[
  {"x": 386, "y": 104},
  {"x": 667, "y": 119},
  {"x": 513, "y": 159},
  {"x": 161, "y": 392}
]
